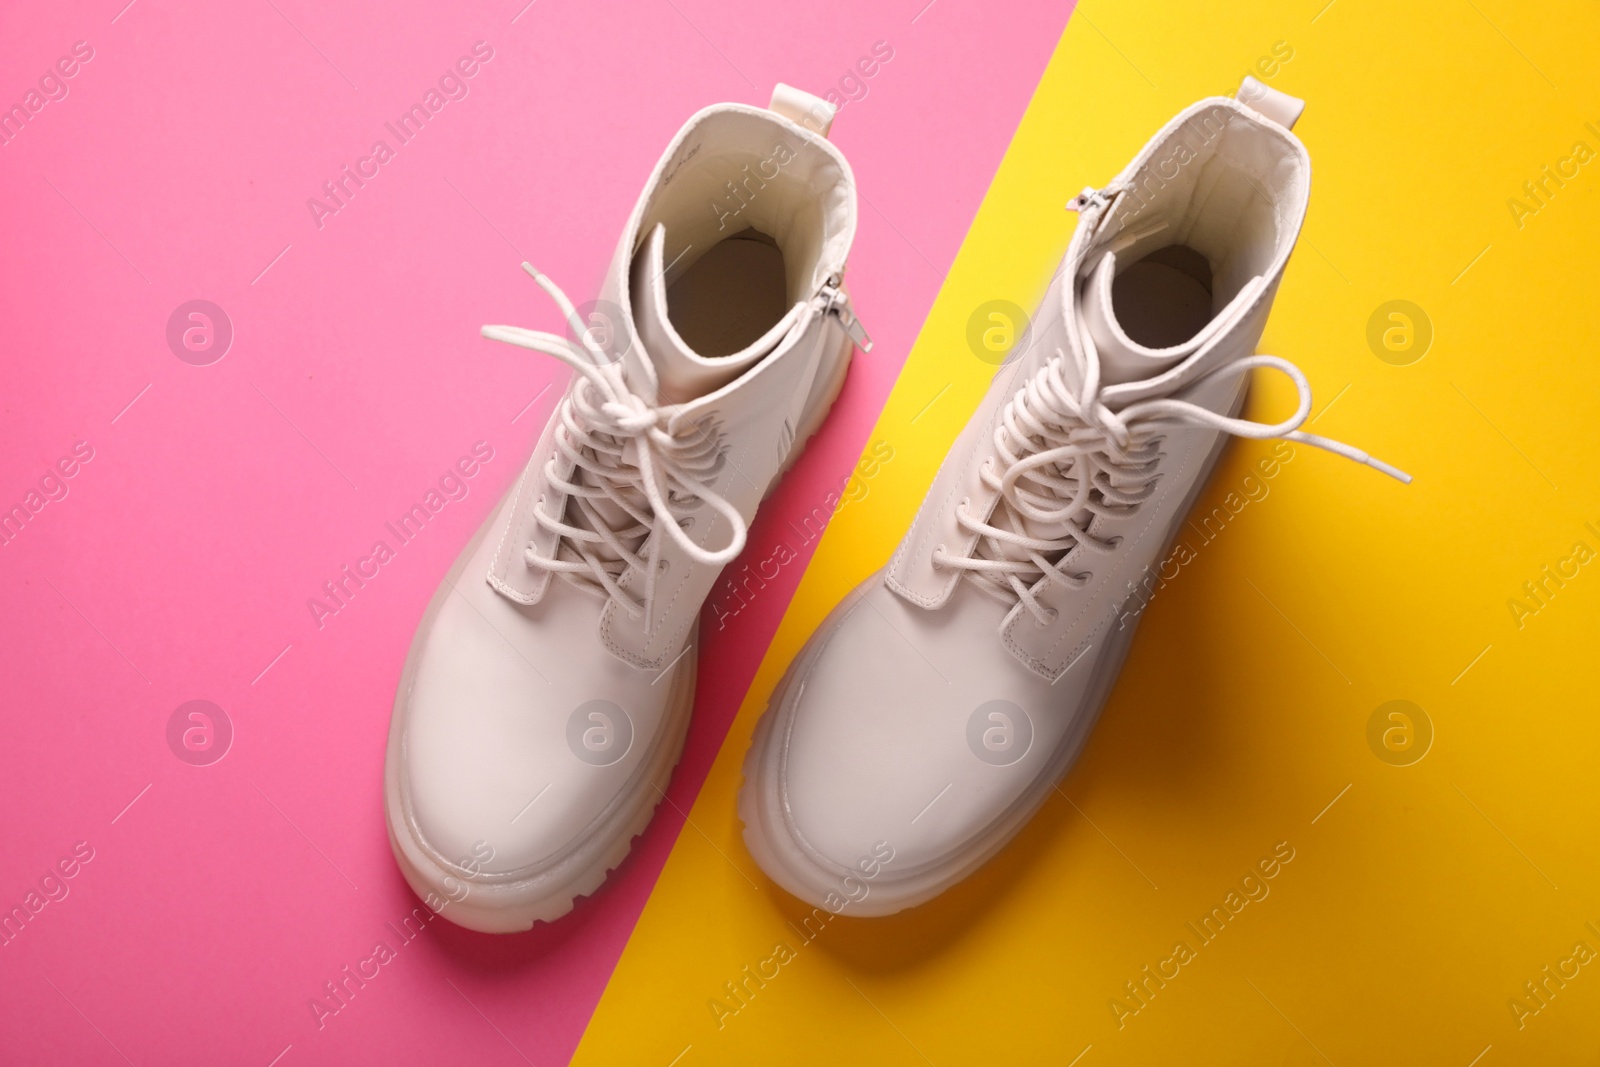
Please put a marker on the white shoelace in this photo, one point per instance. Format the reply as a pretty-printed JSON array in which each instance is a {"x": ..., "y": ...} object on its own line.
[
  {"x": 631, "y": 477},
  {"x": 1066, "y": 455}
]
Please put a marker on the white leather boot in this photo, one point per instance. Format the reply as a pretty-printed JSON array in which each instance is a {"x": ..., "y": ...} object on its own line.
[
  {"x": 547, "y": 692},
  {"x": 935, "y": 709}
]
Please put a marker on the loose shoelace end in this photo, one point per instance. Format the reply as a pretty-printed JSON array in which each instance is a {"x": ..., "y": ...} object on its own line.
[
  {"x": 1394, "y": 472},
  {"x": 1339, "y": 448}
]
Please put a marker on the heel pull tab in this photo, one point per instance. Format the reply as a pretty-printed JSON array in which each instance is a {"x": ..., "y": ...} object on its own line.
[
  {"x": 799, "y": 106},
  {"x": 1269, "y": 102}
]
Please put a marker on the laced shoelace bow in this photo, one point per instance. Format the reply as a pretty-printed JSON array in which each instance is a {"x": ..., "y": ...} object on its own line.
[
  {"x": 621, "y": 455},
  {"x": 1061, "y": 455}
]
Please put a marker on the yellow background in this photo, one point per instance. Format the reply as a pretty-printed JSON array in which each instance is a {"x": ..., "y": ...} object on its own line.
[{"x": 1419, "y": 903}]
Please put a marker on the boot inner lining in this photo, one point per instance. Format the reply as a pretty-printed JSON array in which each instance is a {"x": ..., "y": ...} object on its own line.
[
  {"x": 738, "y": 171},
  {"x": 1165, "y": 298},
  {"x": 732, "y": 295},
  {"x": 1224, "y": 187}
]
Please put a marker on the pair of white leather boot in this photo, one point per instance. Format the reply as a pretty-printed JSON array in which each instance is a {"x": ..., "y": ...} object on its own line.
[{"x": 547, "y": 693}]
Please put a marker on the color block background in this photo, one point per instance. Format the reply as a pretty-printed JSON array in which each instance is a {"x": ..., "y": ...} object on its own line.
[
  {"x": 220, "y": 899},
  {"x": 1419, "y": 898}
]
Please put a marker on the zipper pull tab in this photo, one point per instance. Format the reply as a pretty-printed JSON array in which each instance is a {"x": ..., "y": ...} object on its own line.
[
  {"x": 1089, "y": 199},
  {"x": 835, "y": 302}
]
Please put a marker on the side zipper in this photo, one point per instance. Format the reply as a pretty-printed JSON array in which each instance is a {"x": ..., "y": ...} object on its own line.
[
  {"x": 835, "y": 302},
  {"x": 1091, "y": 199}
]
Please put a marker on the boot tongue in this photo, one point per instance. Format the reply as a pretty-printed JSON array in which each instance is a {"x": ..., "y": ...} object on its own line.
[
  {"x": 662, "y": 368},
  {"x": 1122, "y": 359}
]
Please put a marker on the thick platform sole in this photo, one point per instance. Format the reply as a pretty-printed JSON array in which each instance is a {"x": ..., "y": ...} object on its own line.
[
  {"x": 511, "y": 905},
  {"x": 793, "y": 865}
]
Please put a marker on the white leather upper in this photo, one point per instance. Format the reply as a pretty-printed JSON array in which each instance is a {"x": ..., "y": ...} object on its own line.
[
  {"x": 876, "y": 729},
  {"x": 808, "y": 206},
  {"x": 494, "y": 686},
  {"x": 1262, "y": 214},
  {"x": 882, "y": 729},
  {"x": 509, "y": 667}
]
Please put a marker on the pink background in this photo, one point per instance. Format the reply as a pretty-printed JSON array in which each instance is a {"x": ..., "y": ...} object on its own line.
[{"x": 179, "y": 564}]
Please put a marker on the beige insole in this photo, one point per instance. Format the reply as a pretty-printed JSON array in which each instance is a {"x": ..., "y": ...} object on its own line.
[
  {"x": 1165, "y": 298},
  {"x": 730, "y": 296}
]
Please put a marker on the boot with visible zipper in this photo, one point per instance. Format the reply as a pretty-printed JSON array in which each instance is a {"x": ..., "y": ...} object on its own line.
[
  {"x": 938, "y": 706},
  {"x": 547, "y": 692}
]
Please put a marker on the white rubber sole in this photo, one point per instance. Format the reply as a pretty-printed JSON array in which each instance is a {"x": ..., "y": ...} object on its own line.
[
  {"x": 780, "y": 850},
  {"x": 512, "y": 902}
]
